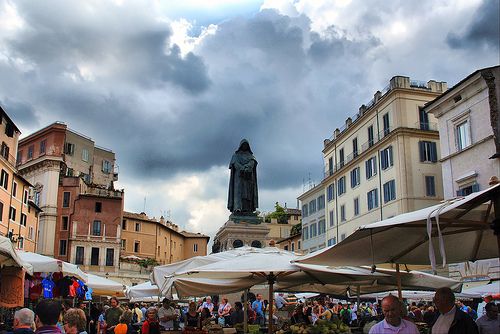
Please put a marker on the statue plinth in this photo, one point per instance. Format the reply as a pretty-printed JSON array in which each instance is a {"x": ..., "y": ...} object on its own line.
[{"x": 245, "y": 217}]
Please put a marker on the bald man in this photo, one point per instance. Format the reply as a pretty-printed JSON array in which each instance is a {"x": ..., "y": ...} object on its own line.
[{"x": 393, "y": 322}]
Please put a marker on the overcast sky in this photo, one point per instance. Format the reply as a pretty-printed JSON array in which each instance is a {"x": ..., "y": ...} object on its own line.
[{"x": 173, "y": 86}]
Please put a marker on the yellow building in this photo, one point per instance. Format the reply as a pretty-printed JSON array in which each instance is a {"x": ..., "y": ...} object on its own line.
[
  {"x": 281, "y": 229},
  {"x": 384, "y": 161},
  {"x": 160, "y": 240},
  {"x": 18, "y": 213}
]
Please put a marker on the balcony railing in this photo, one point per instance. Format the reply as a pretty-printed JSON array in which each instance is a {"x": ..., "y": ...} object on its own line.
[{"x": 329, "y": 171}]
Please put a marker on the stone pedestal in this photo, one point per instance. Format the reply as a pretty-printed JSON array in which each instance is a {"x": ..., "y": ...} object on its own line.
[{"x": 241, "y": 231}]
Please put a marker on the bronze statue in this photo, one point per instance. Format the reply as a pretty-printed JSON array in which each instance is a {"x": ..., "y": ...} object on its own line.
[{"x": 243, "y": 197}]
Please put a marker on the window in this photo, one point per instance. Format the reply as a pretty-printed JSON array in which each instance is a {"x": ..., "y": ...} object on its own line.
[
  {"x": 467, "y": 190},
  {"x": 386, "y": 158},
  {"x": 26, "y": 196},
  {"x": 424, "y": 119},
  {"x": 96, "y": 228},
  {"x": 298, "y": 244},
  {"x": 355, "y": 177},
  {"x": 321, "y": 226},
  {"x": 428, "y": 151},
  {"x": 110, "y": 257},
  {"x": 462, "y": 132},
  {"x": 123, "y": 244},
  {"x": 94, "y": 256},
  {"x": 342, "y": 213},
  {"x": 356, "y": 206},
  {"x": 12, "y": 213},
  {"x": 371, "y": 140},
  {"x": 98, "y": 206},
  {"x": 313, "y": 230},
  {"x": 341, "y": 158},
  {"x": 4, "y": 151},
  {"x": 304, "y": 210},
  {"x": 312, "y": 206},
  {"x": 4, "y": 179},
  {"x": 43, "y": 145},
  {"x": 330, "y": 166},
  {"x": 330, "y": 192},
  {"x": 85, "y": 155},
  {"x": 256, "y": 244},
  {"x": 106, "y": 166},
  {"x": 14, "y": 189},
  {"x": 293, "y": 246},
  {"x": 332, "y": 241},
  {"x": 37, "y": 198},
  {"x": 69, "y": 149},
  {"x": 195, "y": 248},
  {"x": 124, "y": 224},
  {"x": 30, "y": 233},
  {"x": 430, "y": 186},
  {"x": 70, "y": 172},
  {"x": 342, "y": 236},
  {"x": 371, "y": 167},
  {"x": 389, "y": 191},
  {"x": 372, "y": 197},
  {"x": 305, "y": 233},
  {"x": 321, "y": 202},
  {"x": 79, "y": 255},
  {"x": 20, "y": 243},
  {"x": 332, "y": 218},
  {"x": 64, "y": 223},
  {"x": 23, "y": 219},
  {"x": 341, "y": 186},
  {"x": 66, "y": 198},
  {"x": 31, "y": 149},
  {"x": 355, "y": 147},
  {"x": 387, "y": 127},
  {"x": 286, "y": 247},
  {"x": 19, "y": 157},
  {"x": 138, "y": 227},
  {"x": 137, "y": 246},
  {"x": 63, "y": 247}
]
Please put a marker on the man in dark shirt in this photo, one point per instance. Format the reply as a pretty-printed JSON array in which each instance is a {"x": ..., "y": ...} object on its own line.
[
  {"x": 112, "y": 315},
  {"x": 237, "y": 315}
]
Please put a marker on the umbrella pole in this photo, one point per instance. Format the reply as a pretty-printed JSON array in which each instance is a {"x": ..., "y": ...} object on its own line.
[
  {"x": 245, "y": 311},
  {"x": 271, "y": 299},
  {"x": 398, "y": 279},
  {"x": 358, "y": 292},
  {"x": 495, "y": 224}
]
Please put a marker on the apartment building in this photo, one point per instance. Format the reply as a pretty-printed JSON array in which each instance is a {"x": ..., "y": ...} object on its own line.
[
  {"x": 55, "y": 152},
  {"x": 313, "y": 219},
  {"x": 161, "y": 240},
  {"x": 468, "y": 121},
  {"x": 18, "y": 213},
  {"x": 293, "y": 243},
  {"x": 280, "y": 229},
  {"x": 382, "y": 162}
]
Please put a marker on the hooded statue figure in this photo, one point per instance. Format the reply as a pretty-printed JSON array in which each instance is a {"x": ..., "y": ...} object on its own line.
[{"x": 243, "y": 196}]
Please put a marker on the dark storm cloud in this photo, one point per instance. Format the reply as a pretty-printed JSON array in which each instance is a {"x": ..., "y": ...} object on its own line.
[
  {"x": 484, "y": 30},
  {"x": 21, "y": 113}
]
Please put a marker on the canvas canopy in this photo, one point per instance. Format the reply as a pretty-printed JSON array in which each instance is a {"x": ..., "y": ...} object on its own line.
[
  {"x": 10, "y": 258},
  {"x": 104, "y": 287},
  {"x": 492, "y": 289},
  {"x": 46, "y": 264},
  {"x": 458, "y": 230},
  {"x": 143, "y": 291}
]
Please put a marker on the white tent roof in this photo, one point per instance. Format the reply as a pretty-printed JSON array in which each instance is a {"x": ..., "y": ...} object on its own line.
[
  {"x": 143, "y": 290},
  {"x": 45, "y": 264},
  {"x": 465, "y": 235},
  {"x": 483, "y": 290},
  {"x": 104, "y": 287},
  {"x": 10, "y": 258}
]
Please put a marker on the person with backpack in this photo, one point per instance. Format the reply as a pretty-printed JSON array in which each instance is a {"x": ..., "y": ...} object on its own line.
[
  {"x": 329, "y": 314},
  {"x": 136, "y": 314},
  {"x": 345, "y": 315}
]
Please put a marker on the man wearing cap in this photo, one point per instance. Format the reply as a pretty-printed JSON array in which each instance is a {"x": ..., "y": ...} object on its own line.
[{"x": 167, "y": 315}]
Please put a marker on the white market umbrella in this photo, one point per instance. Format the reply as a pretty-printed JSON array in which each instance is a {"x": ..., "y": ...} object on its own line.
[
  {"x": 9, "y": 257},
  {"x": 143, "y": 291},
  {"x": 483, "y": 290},
  {"x": 102, "y": 286},
  {"x": 46, "y": 264}
]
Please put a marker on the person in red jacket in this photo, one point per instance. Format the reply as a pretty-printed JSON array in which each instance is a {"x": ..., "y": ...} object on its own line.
[{"x": 151, "y": 324}]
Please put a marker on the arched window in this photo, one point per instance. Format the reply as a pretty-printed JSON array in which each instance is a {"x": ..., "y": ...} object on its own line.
[
  {"x": 256, "y": 244},
  {"x": 237, "y": 243}
]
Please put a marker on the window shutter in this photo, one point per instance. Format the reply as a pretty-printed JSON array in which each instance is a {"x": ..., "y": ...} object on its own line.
[
  {"x": 475, "y": 187},
  {"x": 391, "y": 161},
  {"x": 433, "y": 152},
  {"x": 421, "y": 147},
  {"x": 367, "y": 168},
  {"x": 459, "y": 192}
]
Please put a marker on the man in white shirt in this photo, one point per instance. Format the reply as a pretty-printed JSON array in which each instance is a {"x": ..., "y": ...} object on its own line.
[
  {"x": 451, "y": 320},
  {"x": 490, "y": 322},
  {"x": 393, "y": 323},
  {"x": 166, "y": 315}
]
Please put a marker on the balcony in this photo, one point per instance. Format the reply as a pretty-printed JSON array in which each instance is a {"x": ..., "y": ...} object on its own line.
[{"x": 9, "y": 159}]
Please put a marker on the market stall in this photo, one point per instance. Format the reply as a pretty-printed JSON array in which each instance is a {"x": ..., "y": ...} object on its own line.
[{"x": 100, "y": 286}]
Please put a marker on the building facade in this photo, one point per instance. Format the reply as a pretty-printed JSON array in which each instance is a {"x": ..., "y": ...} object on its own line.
[
  {"x": 161, "y": 240},
  {"x": 313, "y": 219},
  {"x": 48, "y": 155},
  {"x": 18, "y": 213},
  {"x": 383, "y": 161},
  {"x": 468, "y": 120},
  {"x": 281, "y": 229},
  {"x": 293, "y": 243},
  {"x": 465, "y": 116}
]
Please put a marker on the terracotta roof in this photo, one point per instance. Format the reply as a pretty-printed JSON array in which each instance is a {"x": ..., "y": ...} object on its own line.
[
  {"x": 289, "y": 238},
  {"x": 138, "y": 216},
  {"x": 193, "y": 235}
]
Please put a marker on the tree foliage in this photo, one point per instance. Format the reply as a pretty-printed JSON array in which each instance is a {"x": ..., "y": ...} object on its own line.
[{"x": 279, "y": 214}]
